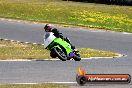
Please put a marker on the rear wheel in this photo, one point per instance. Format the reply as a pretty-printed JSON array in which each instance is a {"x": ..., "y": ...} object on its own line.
[
  {"x": 53, "y": 54},
  {"x": 60, "y": 54}
]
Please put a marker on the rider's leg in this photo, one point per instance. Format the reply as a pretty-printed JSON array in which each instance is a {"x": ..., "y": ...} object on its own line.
[{"x": 70, "y": 55}]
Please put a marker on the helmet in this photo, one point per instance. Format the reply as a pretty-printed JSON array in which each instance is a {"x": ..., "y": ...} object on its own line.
[{"x": 48, "y": 27}]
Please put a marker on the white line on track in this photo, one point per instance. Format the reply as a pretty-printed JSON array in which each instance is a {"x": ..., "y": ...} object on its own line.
[
  {"x": 15, "y": 60},
  {"x": 126, "y": 33},
  {"x": 62, "y": 82},
  {"x": 46, "y": 82},
  {"x": 120, "y": 55}
]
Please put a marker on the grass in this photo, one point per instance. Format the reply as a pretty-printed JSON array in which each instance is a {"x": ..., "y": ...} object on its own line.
[
  {"x": 34, "y": 86},
  {"x": 109, "y": 17},
  {"x": 14, "y": 50}
]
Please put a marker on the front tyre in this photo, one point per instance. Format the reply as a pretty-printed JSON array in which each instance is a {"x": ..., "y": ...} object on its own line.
[
  {"x": 60, "y": 54},
  {"x": 77, "y": 57}
]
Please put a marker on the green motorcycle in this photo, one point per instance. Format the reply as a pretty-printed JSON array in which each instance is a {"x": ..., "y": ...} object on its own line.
[{"x": 60, "y": 48}]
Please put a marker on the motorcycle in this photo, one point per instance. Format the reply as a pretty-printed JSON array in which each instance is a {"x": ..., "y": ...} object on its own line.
[{"x": 60, "y": 48}]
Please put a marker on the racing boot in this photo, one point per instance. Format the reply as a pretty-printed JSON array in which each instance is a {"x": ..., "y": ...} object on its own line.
[{"x": 71, "y": 55}]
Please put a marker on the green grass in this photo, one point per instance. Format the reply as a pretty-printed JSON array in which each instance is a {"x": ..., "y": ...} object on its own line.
[
  {"x": 15, "y": 50},
  {"x": 110, "y": 17},
  {"x": 34, "y": 86}
]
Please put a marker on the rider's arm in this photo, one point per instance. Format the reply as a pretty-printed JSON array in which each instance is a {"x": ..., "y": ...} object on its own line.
[{"x": 57, "y": 33}]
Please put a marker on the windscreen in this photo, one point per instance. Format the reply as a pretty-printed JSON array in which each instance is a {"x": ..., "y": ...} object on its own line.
[{"x": 47, "y": 35}]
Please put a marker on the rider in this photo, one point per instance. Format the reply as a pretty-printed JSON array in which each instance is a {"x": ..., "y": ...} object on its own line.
[{"x": 50, "y": 28}]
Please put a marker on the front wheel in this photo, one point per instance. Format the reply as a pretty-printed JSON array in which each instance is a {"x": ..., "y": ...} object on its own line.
[
  {"x": 77, "y": 57},
  {"x": 60, "y": 54}
]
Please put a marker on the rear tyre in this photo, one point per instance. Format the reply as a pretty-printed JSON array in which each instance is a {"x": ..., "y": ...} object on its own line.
[
  {"x": 53, "y": 54},
  {"x": 60, "y": 54}
]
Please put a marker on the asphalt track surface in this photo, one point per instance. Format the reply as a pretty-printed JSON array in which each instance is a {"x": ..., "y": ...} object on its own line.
[{"x": 58, "y": 71}]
